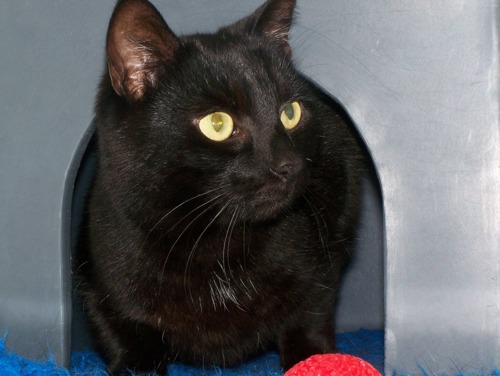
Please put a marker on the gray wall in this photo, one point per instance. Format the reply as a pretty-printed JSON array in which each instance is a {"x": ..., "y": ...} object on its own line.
[
  {"x": 420, "y": 80},
  {"x": 50, "y": 60}
]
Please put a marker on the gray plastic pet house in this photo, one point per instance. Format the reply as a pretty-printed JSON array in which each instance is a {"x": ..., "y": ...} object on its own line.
[{"x": 421, "y": 82}]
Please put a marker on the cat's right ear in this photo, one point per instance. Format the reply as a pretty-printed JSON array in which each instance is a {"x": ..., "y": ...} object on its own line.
[{"x": 139, "y": 43}]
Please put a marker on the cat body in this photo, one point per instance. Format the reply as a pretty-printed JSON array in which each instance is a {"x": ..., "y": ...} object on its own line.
[{"x": 209, "y": 242}]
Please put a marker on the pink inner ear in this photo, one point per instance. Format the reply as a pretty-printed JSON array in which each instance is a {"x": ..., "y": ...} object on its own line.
[
  {"x": 139, "y": 43},
  {"x": 132, "y": 70}
]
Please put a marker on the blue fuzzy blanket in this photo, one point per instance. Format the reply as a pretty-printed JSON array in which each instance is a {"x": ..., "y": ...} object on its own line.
[{"x": 366, "y": 344}]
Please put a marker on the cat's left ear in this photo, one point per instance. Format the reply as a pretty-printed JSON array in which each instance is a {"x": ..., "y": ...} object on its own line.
[{"x": 274, "y": 19}]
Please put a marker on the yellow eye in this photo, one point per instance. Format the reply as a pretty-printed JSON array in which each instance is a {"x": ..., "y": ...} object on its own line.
[
  {"x": 217, "y": 126},
  {"x": 291, "y": 114}
]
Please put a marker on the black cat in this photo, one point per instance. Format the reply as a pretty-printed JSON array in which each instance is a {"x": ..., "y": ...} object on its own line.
[{"x": 225, "y": 200}]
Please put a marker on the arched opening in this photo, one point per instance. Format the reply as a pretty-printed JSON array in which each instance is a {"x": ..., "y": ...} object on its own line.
[
  {"x": 81, "y": 339},
  {"x": 361, "y": 299}
]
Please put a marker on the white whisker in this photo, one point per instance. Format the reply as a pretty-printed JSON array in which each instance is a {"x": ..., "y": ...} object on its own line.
[
  {"x": 227, "y": 241},
  {"x": 193, "y": 249},
  {"x": 320, "y": 221},
  {"x": 182, "y": 233},
  {"x": 182, "y": 204}
]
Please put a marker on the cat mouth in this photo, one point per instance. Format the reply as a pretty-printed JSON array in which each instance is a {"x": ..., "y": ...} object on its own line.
[{"x": 271, "y": 200}]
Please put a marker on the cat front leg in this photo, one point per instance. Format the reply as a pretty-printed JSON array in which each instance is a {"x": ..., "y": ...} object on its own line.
[
  {"x": 301, "y": 342},
  {"x": 143, "y": 351},
  {"x": 130, "y": 348}
]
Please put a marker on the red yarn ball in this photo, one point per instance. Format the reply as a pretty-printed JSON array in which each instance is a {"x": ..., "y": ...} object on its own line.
[{"x": 333, "y": 365}]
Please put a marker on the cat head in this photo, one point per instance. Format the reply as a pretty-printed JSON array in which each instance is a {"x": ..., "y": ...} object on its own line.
[{"x": 221, "y": 122}]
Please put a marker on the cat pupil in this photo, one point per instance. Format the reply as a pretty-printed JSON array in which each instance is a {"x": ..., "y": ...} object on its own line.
[
  {"x": 289, "y": 112},
  {"x": 217, "y": 122}
]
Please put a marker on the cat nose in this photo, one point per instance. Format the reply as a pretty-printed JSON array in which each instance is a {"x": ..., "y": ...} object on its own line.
[{"x": 287, "y": 168}]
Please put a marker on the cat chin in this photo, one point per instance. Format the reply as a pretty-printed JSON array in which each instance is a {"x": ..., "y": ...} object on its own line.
[
  {"x": 265, "y": 206},
  {"x": 267, "y": 213},
  {"x": 264, "y": 209}
]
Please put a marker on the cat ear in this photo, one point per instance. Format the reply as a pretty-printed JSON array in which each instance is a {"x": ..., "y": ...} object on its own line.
[
  {"x": 139, "y": 43},
  {"x": 274, "y": 19}
]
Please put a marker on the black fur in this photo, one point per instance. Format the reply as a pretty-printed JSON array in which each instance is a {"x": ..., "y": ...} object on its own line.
[{"x": 209, "y": 252}]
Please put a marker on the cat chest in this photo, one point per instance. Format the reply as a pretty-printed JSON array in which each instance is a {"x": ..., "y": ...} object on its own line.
[
  {"x": 225, "y": 306},
  {"x": 226, "y": 289}
]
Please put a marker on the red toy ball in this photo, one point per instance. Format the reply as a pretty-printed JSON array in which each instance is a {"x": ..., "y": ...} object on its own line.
[{"x": 333, "y": 365}]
